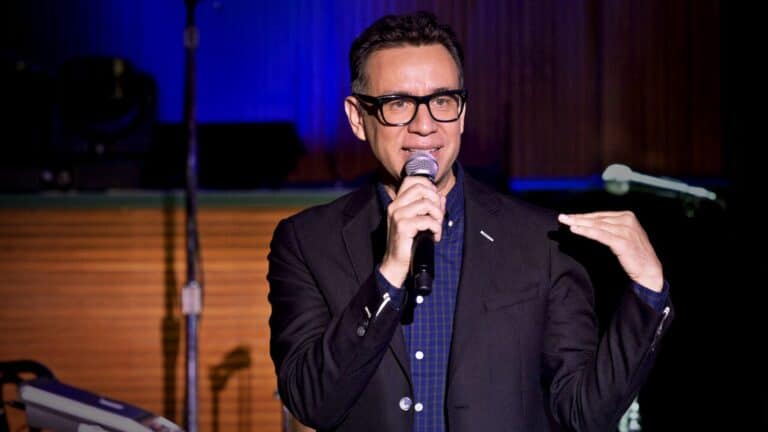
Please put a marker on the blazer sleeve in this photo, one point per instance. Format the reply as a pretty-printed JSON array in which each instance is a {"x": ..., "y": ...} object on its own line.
[
  {"x": 323, "y": 360},
  {"x": 591, "y": 381}
]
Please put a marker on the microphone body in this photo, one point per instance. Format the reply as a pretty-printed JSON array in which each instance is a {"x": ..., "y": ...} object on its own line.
[
  {"x": 423, "y": 249},
  {"x": 423, "y": 262},
  {"x": 617, "y": 178}
]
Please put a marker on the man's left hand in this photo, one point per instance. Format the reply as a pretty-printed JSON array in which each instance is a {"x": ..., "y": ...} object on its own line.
[{"x": 626, "y": 238}]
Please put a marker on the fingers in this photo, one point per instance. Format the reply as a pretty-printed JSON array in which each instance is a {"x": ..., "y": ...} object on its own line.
[
  {"x": 615, "y": 217},
  {"x": 619, "y": 224},
  {"x": 415, "y": 188},
  {"x": 418, "y": 215},
  {"x": 610, "y": 228},
  {"x": 626, "y": 238},
  {"x": 600, "y": 214},
  {"x": 416, "y": 207},
  {"x": 602, "y": 235}
]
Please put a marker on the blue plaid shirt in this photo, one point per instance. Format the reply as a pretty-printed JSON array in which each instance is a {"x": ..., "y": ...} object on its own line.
[{"x": 428, "y": 337}]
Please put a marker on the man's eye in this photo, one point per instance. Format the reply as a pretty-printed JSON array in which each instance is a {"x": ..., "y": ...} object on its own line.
[
  {"x": 441, "y": 101},
  {"x": 398, "y": 104},
  {"x": 444, "y": 103}
]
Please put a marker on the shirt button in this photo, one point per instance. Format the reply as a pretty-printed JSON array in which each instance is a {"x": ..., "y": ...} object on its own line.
[
  {"x": 405, "y": 403},
  {"x": 418, "y": 407},
  {"x": 450, "y": 223},
  {"x": 419, "y": 355},
  {"x": 419, "y": 299},
  {"x": 361, "y": 331}
]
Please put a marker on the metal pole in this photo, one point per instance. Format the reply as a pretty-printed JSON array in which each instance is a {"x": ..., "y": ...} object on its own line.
[{"x": 192, "y": 293}]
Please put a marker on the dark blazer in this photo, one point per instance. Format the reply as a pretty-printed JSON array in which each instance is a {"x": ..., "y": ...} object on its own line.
[{"x": 525, "y": 354}]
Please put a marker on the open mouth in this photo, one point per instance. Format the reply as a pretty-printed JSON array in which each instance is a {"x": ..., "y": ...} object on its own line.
[{"x": 427, "y": 150}]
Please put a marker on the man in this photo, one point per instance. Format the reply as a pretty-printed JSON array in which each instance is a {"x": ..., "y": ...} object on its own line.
[{"x": 507, "y": 340}]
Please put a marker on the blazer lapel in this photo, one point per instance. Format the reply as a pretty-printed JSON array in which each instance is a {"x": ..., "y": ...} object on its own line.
[
  {"x": 479, "y": 261},
  {"x": 364, "y": 235},
  {"x": 362, "y": 218}
]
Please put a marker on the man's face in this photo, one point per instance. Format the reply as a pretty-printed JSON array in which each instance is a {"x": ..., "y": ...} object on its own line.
[{"x": 416, "y": 71}]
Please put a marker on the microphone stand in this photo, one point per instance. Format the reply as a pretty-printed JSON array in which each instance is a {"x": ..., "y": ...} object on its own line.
[{"x": 192, "y": 293}]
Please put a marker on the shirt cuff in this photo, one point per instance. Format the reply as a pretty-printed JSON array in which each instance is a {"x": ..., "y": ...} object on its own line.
[
  {"x": 656, "y": 300},
  {"x": 395, "y": 294}
]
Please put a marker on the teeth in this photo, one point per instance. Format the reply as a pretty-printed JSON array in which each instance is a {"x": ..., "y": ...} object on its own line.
[{"x": 417, "y": 150}]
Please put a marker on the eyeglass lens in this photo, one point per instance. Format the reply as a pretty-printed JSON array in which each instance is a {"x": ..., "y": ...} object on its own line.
[{"x": 403, "y": 109}]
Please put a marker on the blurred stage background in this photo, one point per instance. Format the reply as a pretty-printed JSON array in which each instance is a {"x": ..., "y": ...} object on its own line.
[{"x": 92, "y": 163}]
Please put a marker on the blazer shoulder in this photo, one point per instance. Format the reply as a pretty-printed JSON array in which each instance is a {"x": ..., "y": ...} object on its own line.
[
  {"x": 530, "y": 211},
  {"x": 510, "y": 208},
  {"x": 332, "y": 214}
]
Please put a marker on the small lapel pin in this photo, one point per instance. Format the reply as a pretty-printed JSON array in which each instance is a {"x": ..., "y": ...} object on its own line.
[{"x": 483, "y": 233}]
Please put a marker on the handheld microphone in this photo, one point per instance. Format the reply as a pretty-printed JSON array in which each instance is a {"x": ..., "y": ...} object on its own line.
[{"x": 423, "y": 249}]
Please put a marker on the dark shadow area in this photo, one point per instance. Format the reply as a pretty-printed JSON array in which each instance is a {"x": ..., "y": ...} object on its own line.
[
  {"x": 171, "y": 323},
  {"x": 741, "y": 311},
  {"x": 90, "y": 125},
  {"x": 239, "y": 359},
  {"x": 231, "y": 155},
  {"x": 27, "y": 107},
  {"x": 690, "y": 387},
  {"x": 86, "y": 125}
]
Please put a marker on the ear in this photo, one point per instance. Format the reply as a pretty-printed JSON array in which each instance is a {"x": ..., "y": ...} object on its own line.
[
  {"x": 461, "y": 120},
  {"x": 355, "y": 117}
]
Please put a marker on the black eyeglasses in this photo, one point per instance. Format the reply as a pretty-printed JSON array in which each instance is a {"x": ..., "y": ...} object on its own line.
[{"x": 399, "y": 110}]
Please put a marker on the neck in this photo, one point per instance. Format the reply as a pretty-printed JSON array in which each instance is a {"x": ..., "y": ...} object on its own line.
[{"x": 445, "y": 184}]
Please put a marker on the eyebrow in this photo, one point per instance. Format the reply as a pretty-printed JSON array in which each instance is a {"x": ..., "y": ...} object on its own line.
[{"x": 401, "y": 93}]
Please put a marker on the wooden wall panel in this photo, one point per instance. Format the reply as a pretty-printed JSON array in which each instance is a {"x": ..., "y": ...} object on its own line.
[
  {"x": 660, "y": 91},
  {"x": 557, "y": 87},
  {"x": 93, "y": 294},
  {"x": 564, "y": 88}
]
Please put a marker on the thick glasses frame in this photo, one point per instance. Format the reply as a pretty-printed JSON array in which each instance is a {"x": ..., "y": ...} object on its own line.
[{"x": 377, "y": 103}]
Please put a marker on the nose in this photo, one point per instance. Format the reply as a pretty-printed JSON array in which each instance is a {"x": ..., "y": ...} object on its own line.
[{"x": 423, "y": 123}]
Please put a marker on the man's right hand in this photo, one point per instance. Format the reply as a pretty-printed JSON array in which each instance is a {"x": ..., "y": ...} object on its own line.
[{"x": 416, "y": 207}]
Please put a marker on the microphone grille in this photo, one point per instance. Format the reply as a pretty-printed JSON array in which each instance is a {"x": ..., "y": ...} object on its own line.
[
  {"x": 423, "y": 164},
  {"x": 616, "y": 178},
  {"x": 617, "y": 172}
]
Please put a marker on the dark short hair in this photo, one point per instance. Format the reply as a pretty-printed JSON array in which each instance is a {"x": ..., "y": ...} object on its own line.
[{"x": 417, "y": 29}]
